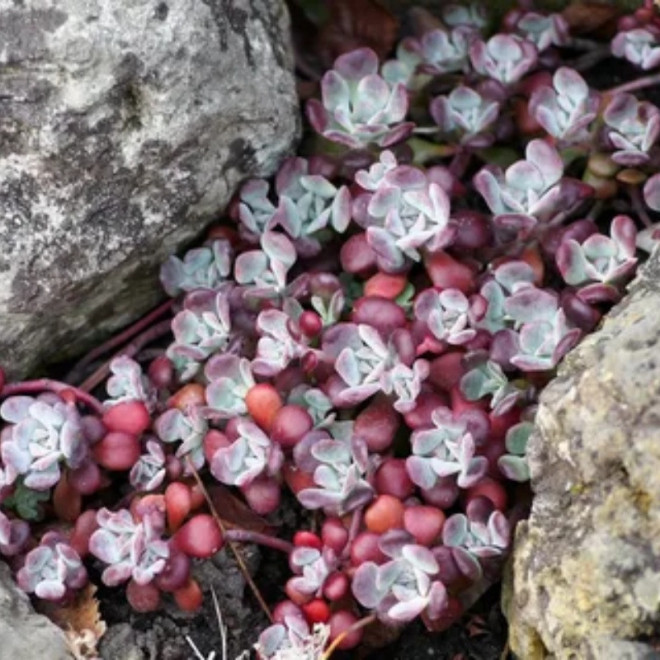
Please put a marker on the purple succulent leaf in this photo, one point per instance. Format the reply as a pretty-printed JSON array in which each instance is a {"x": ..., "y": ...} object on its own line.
[
  {"x": 467, "y": 563},
  {"x": 543, "y": 30},
  {"x": 652, "y": 192},
  {"x": 421, "y": 558},
  {"x": 472, "y": 15},
  {"x": 249, "y": 266},
  {"x": 566, "y": 109},
  {"x": 363, "y": 585},
  {"x": 16, "y": 408},
  {"x": 530, "y": 304},
  {"x": 514, "y": 468},
  {"x": 640, "y": 46},
  {"x": 504, "y": 57},
  {"x": 571, "y": 262},
  {"x": 624, "y": 234},
  {"x": 408, "y": 610},
  {"x": 446, "y": 52},
  {"x": 455, "y": 530},
  {"x": 635, "y": 126}
]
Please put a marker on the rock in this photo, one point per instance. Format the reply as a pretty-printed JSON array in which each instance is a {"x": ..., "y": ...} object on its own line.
[
  {"x": 24, "y": 634},
  {"x": 125, "y": 127},
  {"x": 586, "y": 575}
]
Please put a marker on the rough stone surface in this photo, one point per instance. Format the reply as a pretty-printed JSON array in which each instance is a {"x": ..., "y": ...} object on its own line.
[
  {"x": 25, "y": 635},
  {"x": 125, "y": 126},
  {"x": 586, "y": 566}
]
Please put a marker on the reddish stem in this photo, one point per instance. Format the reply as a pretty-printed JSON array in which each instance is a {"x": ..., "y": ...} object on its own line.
[
  {"x": 151, "y": 334},
  {"x": 248, "y": 536},
  {"x": 47, "y": 385},
  {"x": 123, "y": 336},
  {"x": 635, "y": 85}
]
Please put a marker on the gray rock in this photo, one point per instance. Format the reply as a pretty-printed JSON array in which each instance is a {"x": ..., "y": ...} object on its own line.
[
  {"x": 586, "y": 574},
  {"x": 25, "y": 635},
  {"x": 125, "y": 127}
]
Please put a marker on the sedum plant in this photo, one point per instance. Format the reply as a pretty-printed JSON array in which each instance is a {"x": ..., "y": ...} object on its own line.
[
  {"x": 370, "y": 330},
  {"x": 52, "y": 569},
  {"x": 43, "y": 433},
  {"x": 359, "y": 107},
  {"x": 130, "y": 548}
]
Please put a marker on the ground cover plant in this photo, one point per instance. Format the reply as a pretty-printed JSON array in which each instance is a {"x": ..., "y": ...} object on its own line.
[{"x": 370, "y": 330}]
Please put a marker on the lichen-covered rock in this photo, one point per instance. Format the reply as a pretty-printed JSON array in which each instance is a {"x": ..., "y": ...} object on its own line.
[
  {"x": 25, "y": 635},
  {"x": 586, "y": 565},
  {"x": 124, "y": 127}
]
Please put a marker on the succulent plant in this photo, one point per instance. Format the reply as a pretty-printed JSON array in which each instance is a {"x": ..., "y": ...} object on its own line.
[
  {"x": 202, "y": 328},
  {"x": 188, "y": 427},
  {"x": 567, "y": 108},
  {"x": 149, "y": 472},
  {"x": 513, "y": 464},
  {"x": 314, "y": 400},
  {"x": 292, "y": 640},
  {"x": 402, "y": 212},
  {"x": 279, "y": 344},
  {"x": 45, "y": 432},
  {"x": 468, "y": 113},
  {"x": 129, "y": 383},
  {"x": 446, "y": 51},
  {"x": 652, "y": 192},
  {"x": 481, "y": 538},
  {"x": 473, "y": 15},
  {"x": 255, "y": 210},
  {"x": 599, "y": 258},
  {"x": 339, "y": 462},
  {"x": 401, "y": 589},
  {"x": 632, "y": 127},
  {"x": 265, "y": 271},
  {"x": 130, "y": 548},
  {"x": 403, "y": 69},
  {"x": 543, "y": 335},
  {"x": 230, "y": 378},
  {"x": 252, "y": 454},
  {"x": 52, "y": 569},
  {"x": 506, "y": 279},
  {"x": 446, "y": 450},
  {"x": 543, "y": 30},
  {"x": 14, "y": 534},
  {"x": 504, "y": 57},
  {"x": 640, "y": 46},
  {"x": 311, "y": 567},
  {"x": 201, "y": 268},
  {"x": 488, "y": 379},
  {"x": 529, "y": 191},
  {"x": 446, "y": 315},
  {"x": 359, "y": 107},
  {"x": 309, "y": 204},
  {"x": 367, "y": 364}
]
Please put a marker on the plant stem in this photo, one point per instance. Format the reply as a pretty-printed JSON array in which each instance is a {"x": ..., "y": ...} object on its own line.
[
  {"x": 47, "y": 385},
  {"x": 232, "y": 546},
  {"x": 121, "y": 338},
  {"x": 635, "y": 85},
  {"x": 590, "y": 58},
  {"x": 248, "y": 536},
  {"x": 149, "y": 335}
]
